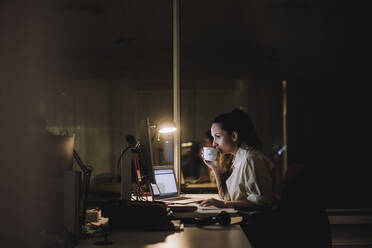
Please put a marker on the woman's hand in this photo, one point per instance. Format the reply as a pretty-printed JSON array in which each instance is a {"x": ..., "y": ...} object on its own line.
[
  {"x": 212, "y": 202},
  {"x": 213, "y": 165}
]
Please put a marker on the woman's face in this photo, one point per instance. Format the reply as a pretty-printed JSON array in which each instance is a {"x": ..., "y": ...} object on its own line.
[{"x": 223, "y": 141}]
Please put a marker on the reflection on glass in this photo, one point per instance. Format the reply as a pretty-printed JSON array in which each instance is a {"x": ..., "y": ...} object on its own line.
[
  {"x": 203, "y": 100},
  {"x": 163, "y": 149}
]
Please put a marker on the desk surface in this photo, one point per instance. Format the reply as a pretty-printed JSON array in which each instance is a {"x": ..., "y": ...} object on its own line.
[
  {"x": 201, "y": 185},
  {"x": 214, "y": 236},
  {"x": 191, "y": 236}
]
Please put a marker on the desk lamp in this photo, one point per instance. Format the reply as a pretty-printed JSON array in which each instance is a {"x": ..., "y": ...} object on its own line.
[
  {"x": 133, "y": 144},
  {"x": 141, "y": 146},
  {"x": 139, "y": 214},
  {"x": 165, "y": 127}
]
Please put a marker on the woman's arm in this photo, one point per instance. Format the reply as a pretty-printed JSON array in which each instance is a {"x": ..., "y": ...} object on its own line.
[
  {"x": 241, "y": 204},
  {"x": 220, "y": 186},
  {"x": 215, "y": 167}
]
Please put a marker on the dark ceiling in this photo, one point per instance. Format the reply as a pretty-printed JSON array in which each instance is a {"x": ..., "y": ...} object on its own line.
[{"x": 233, "y": 39}]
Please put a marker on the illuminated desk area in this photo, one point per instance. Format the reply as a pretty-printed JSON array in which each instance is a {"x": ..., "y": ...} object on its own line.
[
  {"x": 190, "y": 236},
  {"x": 214, "y": 236}
]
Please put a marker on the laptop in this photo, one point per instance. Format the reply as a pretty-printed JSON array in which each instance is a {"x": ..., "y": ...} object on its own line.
[{"x": 165, "y": 188}]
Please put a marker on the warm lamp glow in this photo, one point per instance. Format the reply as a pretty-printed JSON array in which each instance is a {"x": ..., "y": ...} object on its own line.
[
  {"x": 167, "y": 130},
  {"x": 167, "y": 127},
  {"x": 164, "y": 128}
]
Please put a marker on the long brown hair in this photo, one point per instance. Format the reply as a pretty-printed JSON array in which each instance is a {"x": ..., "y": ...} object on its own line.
[
  {"x": 237, "y": 120},
  {"x": 226, "y": 161}
]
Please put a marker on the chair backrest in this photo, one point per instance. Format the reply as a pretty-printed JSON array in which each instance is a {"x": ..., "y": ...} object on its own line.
[{"x": 301, "y": 216}]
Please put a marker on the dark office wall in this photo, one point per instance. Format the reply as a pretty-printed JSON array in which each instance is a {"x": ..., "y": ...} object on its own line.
[
  {"x": 328, "y": 108},
  {"x": 328, "y": 131},
  {"x": 24, "y": 68}
]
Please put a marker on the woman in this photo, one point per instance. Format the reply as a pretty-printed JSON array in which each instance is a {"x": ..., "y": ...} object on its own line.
[{"x": 244, "y": 175}]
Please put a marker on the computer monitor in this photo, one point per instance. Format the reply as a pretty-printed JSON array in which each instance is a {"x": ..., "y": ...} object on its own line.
[
  {"x": 146, "y": 151},
  {"x": 137, "y": 166}
]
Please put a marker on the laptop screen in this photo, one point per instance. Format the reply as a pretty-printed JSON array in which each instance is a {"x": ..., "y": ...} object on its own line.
[{"x": 166, "y": 182}]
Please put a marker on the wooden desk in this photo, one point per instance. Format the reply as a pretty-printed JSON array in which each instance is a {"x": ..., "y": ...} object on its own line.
[{"x": 214, "y": 236}]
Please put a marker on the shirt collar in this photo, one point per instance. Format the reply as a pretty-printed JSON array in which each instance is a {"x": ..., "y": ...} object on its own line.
[{"x": 239, "y": 157}]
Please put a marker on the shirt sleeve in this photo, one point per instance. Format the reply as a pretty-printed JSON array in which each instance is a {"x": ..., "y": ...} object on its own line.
[{"x": 258, "y": 182}]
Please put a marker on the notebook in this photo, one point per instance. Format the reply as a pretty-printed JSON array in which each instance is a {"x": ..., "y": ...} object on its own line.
[{"x": 165, "y": 188}]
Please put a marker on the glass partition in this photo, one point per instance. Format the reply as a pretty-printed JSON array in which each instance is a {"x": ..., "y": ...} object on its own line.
[
  {"x": 111, "y": 69},
  {"x": 203, "y": 100},
  {"x": 226, "y": 63}
]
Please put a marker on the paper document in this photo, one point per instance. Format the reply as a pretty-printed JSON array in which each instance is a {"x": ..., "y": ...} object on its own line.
[{"x": 213, "y": 209}]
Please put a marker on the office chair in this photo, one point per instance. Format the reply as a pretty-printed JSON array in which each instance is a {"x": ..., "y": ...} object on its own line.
[{"x": 300, "y": 219}]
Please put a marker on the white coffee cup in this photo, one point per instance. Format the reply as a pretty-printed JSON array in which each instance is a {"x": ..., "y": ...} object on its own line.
[{"x": 209, "y": 153}]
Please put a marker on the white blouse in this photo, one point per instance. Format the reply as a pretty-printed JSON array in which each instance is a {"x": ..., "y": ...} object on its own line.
[{"x": 252, "y": 178}]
